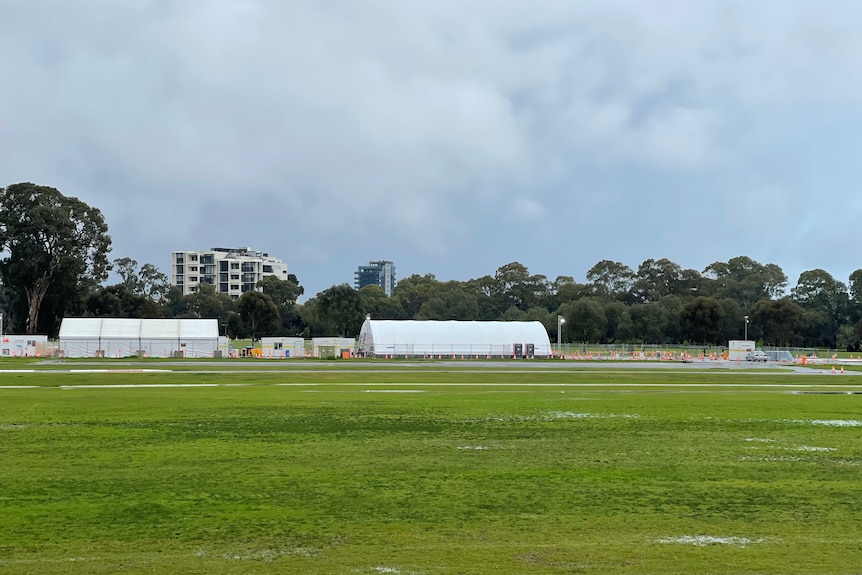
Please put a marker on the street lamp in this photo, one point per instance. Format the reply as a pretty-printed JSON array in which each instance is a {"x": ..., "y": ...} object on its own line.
[
  {"x": 560, "y": 321},
  {"x": 745, "y": 337}
]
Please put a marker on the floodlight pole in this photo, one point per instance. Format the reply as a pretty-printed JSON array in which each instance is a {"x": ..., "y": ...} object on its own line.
[
  {"x": 745, "y": 337},
  {"x": 560, "y": 321}
]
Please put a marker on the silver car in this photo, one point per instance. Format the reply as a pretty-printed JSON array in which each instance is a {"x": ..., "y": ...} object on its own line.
[{"x": 756, "y": 356}]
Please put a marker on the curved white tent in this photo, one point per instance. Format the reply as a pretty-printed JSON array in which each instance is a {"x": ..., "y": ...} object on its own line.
[{"x": 448, "y": 338}]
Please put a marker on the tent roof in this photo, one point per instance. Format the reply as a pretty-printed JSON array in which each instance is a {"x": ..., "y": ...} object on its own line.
[
  {"x": 389, "y": 332},
  {"x": 122, "y": 328}
]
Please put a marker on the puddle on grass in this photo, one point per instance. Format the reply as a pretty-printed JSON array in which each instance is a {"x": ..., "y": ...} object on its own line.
[
  {"x": 773, "y": 458},
  {"x": 573, "y": 415},
  {"x": 704, "y": 540},
  {"x": 828, "y": 422},
  {"x": 261, "y": 554}
]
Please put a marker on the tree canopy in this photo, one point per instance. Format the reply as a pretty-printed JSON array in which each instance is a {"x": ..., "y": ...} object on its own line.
[{"x": 55, "y": 244}]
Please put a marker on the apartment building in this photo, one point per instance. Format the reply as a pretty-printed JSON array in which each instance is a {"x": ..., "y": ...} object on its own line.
[
  {"x": 380, "y": 273},
  {"x": 231, "y": 270}
]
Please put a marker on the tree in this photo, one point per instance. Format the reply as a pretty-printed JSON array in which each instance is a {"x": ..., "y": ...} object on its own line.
[
  {"x": 338, "y": 309},
  {"x": 449, "y": 300},
  {"x": 413, "y": 291},
  {"x": 611, "y": 280},
  {"x": 701, "y": 320},
  {"x": 585, "y": 319},
  {"x": 53, "y": 242},
  {"x": 284, "y": 294},
  {"x": 780, "y": 321},
  {"x": 647, "y": 323},
  {"x": 745, "y": 280},
  {"x": 656, "y": 279},
  {"x": 373, "y": 301},
  {"x": 119, "y": 301},
  {"x": 619, "y": 323},
  {"x": 258, "y": 312},
  {"x": 147, "y": 281},
  {"x": 206, "y": 302},
  {"x": 826, "y": 301}
]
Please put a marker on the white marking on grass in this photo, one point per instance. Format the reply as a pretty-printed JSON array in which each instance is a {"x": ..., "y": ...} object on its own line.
[
  {"x": 759, "y": 440},
  {"x": 474, "y": 447},
  {"x": 810, "y": 448},
  {"x": 704, "y": 540},
  {"x": 19, "y": 387},
  {"x": 394, "y": 390},
  {"x": 141, "y": 385}
]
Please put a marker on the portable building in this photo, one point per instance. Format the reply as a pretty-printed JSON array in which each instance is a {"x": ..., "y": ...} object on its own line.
[
  {"x": 737, "y": 349},
  {"x": 413, "y": 338},
  {"x": 333, "y": 347},
  {"x": 282, "y": 347},
  {"x": 120, "y": 337},
  {"x": 24, "y": 346}
]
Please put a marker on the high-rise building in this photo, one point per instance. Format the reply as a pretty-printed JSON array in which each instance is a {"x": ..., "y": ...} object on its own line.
[
  {"x": 380, "y": 273},
  {"x": 231, "y": 270}
]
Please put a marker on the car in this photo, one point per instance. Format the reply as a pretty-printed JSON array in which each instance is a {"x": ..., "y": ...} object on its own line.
[{"x": 756, "y": 356}]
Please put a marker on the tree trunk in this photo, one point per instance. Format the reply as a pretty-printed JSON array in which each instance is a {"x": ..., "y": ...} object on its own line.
[{"x": 35, "y": 296}]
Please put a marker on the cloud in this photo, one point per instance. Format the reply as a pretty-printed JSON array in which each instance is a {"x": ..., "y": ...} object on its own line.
[{"x": 334, "y": 132}]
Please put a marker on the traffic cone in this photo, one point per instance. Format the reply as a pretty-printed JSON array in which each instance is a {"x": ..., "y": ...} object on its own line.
[
  {"x": 833, "y": 369},
  {"x": 842, "y": 369}
]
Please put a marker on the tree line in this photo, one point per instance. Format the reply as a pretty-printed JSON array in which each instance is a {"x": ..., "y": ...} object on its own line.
[{"x": 55, "y": 262}]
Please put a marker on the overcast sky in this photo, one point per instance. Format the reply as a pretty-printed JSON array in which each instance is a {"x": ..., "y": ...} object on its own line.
[{"x": 449, "y": 136}]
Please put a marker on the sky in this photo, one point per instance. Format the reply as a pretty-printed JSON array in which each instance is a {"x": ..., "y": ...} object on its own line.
[{"x": 450, "y": 137}]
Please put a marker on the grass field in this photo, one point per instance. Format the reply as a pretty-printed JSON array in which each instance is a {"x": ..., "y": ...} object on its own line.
[{"x": 435, "y": 470}]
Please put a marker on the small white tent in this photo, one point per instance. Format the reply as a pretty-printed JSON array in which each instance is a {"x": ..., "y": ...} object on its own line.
[
  {"x": 118, "y": 337},
  {"x": 447, "y": 338}
]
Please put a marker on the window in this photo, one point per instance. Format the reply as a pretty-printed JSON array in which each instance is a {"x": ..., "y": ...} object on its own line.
[
  {"x": 180, "y": 258},
  {"x": 267, "y": 269},
  {"x": 222, "y": 266},
  {"x": 193, "y": 268},
  {"x": 234, "y": 287},
  {"x": 193, "y": 279},
  {"x": 207, "y": 259},
  {"x": 193, "y": 258},
  {"x": 278, "y": 345},
  {"x": 248, "y": 266},
  {"x": 234, "y": 265},
  {"x": 222, "y": 288},
  {"x": 180, "y": 269},
  {"x": 234, "y": 277},
  {"x": 193, "y": 289},
  {"x": 222, "y": 277}
]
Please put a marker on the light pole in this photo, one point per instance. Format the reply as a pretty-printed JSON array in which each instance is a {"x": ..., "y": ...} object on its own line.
[
  {"x": 745, "y": 337},
  {"x": 560, "y": 321}
]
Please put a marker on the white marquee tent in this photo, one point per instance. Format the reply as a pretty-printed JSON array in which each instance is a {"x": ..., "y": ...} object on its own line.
[
  {"x": 447, "y": 338},
  {"x": 115, "y": 337}
]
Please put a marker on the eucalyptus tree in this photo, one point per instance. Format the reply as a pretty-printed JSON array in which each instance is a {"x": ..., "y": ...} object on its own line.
[
  {"x": 54, "y": 244},
  {"x": 611, "y": 280},
  {"x": 825, "y": 301}
]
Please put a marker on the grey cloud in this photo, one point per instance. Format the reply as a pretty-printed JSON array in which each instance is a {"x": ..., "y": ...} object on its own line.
[{"x": 450, "y": 136}]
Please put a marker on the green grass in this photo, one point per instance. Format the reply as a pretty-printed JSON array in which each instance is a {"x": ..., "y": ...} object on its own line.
[{"x": 332, "y": 475}]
